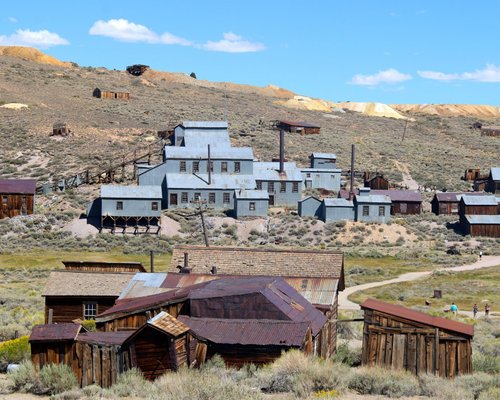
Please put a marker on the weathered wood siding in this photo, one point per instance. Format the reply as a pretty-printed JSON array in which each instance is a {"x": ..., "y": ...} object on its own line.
[
  {"x": 67, "y": 309},
  {"x": 486, "y": 230},
  {"x": 405, "y": 208},
  {"x": 393, "y": 342},
  {"x": 12, "y": 205}
]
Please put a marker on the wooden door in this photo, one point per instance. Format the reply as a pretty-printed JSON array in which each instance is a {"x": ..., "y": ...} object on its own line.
[
  {"x": 271, "y": 199},
  {"x": 173, "y": 199}
]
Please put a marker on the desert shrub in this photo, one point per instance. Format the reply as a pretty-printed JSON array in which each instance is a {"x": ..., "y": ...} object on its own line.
[
  {"x": 74, "y": 394},
  {"x": 439, "y": 388},
  {"x": 477, "y": 383},
  {"x": 25, "y": 378},
  {"x": 57, "y": 378},
  {"x": 490, "y": 394},
  {"x": 130, "y": 383},
  {"x": 345, "y": 355},
  {"x": 14, "y": 351},
  {"x": 485, "y": 363},
  {"x": 386, "y": 382}
]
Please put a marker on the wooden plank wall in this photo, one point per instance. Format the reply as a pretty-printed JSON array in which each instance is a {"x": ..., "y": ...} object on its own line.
[
  {"x": 14, "y": 205},
  {"x": 67, "y": 309},
  {"x": 390, "y": 342}
]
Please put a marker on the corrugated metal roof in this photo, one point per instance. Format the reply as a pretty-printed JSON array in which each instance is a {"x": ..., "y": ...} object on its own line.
[
  {"x": 480, "y": 200},
  {"x": 131, "y": 192},
  {"x": 18, "y": 186},
  {"x": 248, "y": 331},
  {"x": 373, "y": 199},
  {"x": 321, "y": 170},
  {"x": 218, "y": 181},
  {"x": 204, "y": 124},
  {"x": 324, "y": 155},
  {"x": 251, "y": 194},
  {"x": 495, "y": 173},
  {"x": 104, "y": 338},
  {"x": 79, "y": 283},
  {"x": 483, "y": 219},
  {"x": 446, "y": 197},
  {"x": 144, "y": 284},
  {"x": 217, "y": 153},
  {"x": 166, "y": 323},
  {"x": 394, "y": 195},
  {"x": 201, "y": 139},
  {"x": 55, "y": 332},
  {"x": 337, "y": 202},
  {"x": 299, "y": 124},
  {"x": 269, "y": 171},
  {"x": 416, "y": 316}
]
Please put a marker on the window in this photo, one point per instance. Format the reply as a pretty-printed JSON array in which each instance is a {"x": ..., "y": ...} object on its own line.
[
  {"x": 366, "y": 211},
  {"x": 226, "y": 198},
  {"x": 196, "y": 166},
  {"x": 251, "y": 206},
  {"x": 154, "y": 206},
  {"x": 211, "y": 198},
  {"x": 182, "y": 166},
  {"x": 211, "y": 166},
  {"x": 308, "y": 175},
  {"x": 282, "y": 187},
  {"x": 223, "y": 166},
  {"x": 270, "y": 187},
  {"x": 237, "y": 166},
  {"x": 119, "y": 205},
  {"x": 381, "y": 211},
  {"x": 89, "y": 310},
  {"x": 184, "y": 197},
  {"x": 259, "y": 185},
  {"x": 197, "y": 196},
  {"x": 295, "y": 187}
]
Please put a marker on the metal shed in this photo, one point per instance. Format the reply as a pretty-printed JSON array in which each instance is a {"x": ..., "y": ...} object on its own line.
[{"x": 251, "y": 203}]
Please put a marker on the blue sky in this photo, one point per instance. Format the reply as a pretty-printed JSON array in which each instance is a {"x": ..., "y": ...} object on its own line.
[{"x": 388, "y": 51}]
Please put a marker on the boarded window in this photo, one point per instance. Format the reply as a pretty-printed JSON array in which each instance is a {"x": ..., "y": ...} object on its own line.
[
  {"x": 259, "y": 185},
  {"x": 381, "y": 211},
  {"x": 196, "y": 166},
  {"x": 154, "y": 206},
  {"x": 295, "y": 187},
  {"x": 282, "y": 187},
  {"x": 119, "y": 205},
  {"x": 211, "y": 198},
  {"x": 197, "y": 196},
  {"x": 89, "y": 310},
  {"x": 226, "y": 198},
  {"x": 182, "y": 166},
  {"x": 366, "y": 211},
  {"x": 223, "y": 166},
  {"x": 184, "y": 197},
  {"x": 237, "y": 166},
  {"x": 270, "y": 187},
  {"x": 251, "y": 206}
]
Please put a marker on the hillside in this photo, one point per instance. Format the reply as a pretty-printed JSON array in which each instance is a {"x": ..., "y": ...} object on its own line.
[{"x": 436, "y": 149}]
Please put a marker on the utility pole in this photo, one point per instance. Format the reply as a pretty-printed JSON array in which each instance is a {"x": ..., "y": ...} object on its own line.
[
  {"x": 201, "y": 212},
  {"x": 404, "y": 132}
]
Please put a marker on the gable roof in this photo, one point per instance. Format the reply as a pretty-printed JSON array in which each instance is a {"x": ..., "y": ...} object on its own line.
[
  {"x": 324, "y": 155},
  {"x": 18, "y": 186},
  {"x": 85, "y": 284},
  {"x": 487, "y": 200},
  {"x": 104, "y": 338},
  {"x": 302, "y": 124},
  {"x": 337, "y": 202},
  {"x": 483, "y": 219},
  {"x": 452, "y": 197},
  {"x": 62, "y": 332},
  {"x": 168, "y": 324},
  {"x": 144, "y": 284},
  {"x": 131, "y": 192},
  {"x": 262, "y": 261},
  {"x": 104, "y": 266},
  {"x": 495, "y": 173},
  {"x": 248, "y": 331},
  {"x": 204, "y": 124},
  {"x": 417, "y": 316}
]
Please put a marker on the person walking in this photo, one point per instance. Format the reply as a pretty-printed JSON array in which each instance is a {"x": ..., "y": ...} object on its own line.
[
  {"x": 480, "y": 254},
  {"x": 475, "y": 310},
  {"x": 487, "y": 310},
  {"x": 454, "y": 309}
]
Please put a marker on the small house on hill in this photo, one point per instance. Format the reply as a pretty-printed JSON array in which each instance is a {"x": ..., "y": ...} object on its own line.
[
  {"x": 490, "y": 130},
  {"x": 493, "y": 183},
  {"x": 17, "y": 196},
  {"x": 304, "y": 128},
  {"x": 108, "y": 94},
  {"x": 400, "y": 338},
  {"x": 376, "y": 181},
  {"x": 446, "y": 203},
  {"x": 60, "y": 129}
]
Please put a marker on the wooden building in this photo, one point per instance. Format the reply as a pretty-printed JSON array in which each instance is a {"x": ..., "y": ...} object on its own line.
[
  {"x": 481, "y": 225},
  {"x": 304, "y": 128},
  {"x": 376, "y": 181},
  {"x": 447, "y": 203},
  {"x": 471, "y": 174},
  {"x": 60, "y": 129},
  {"x": 493, "y": 182},
  {"x": 108, "y": 94},
  {"x": 84, "y": 290},
  {"x": 478, "y": 205},
  {"x": 400, "y": 338},
  {"x": 490, "y": 130},
  {"x": 404, "y": 202},
  {"x": 18, "y": 197}
]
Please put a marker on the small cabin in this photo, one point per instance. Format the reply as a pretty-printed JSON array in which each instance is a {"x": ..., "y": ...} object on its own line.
[
  {"x": 304, "y": 128},
  {"x": 60, "y": 129},
  {"x": 18, "y": 197},
  {"x": 251, "y": 203},
  {"x": 376, "y": 181},
  {"x": 108, "y": 94},
  {"x": 397, "y": 337},
  {"x": 490, "y": 130},
  {"x": 493, "y": 182},
  {"x": 471, "y": 174},
  {"x": 481, "y": 225}
]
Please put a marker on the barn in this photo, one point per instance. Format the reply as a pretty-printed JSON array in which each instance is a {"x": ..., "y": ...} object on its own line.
[
  {"x": 18, "y": 197},
  {"x": 400, "y": 338}
]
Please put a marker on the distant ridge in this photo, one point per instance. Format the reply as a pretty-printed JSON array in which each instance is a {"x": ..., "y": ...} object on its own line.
[{"x": 31, "y": 54}]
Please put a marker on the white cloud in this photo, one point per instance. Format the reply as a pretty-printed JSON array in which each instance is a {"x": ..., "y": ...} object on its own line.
[
  {"x": 26, "y": 37},
  {"x": 390, "y": 75},
  {"x": 127, "y": 31},
  {"x": 232, "y": 43},
  {"x": 491, "y": 73},
  {"x": 13, "y": 20}
]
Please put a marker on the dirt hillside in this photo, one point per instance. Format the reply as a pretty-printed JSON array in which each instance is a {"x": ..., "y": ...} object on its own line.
[
  {"x": 452, "y": 110},
  {"x": 31, "y": 54},
  {"x": 372, "y": 109}
]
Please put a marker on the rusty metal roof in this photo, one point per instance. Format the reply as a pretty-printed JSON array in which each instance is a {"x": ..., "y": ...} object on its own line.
[
  {"x": 302, "y": 124},
  {"x": 454, "y": 196},
  {"x": 248, "y": 331},
  {"x": 166, "y": 323},
  {"x": 104, "y": 338},
  {"x": 18, "y": 186},
  {"x": 417, "y": 316},
  {"x": 55, "y": 332}
]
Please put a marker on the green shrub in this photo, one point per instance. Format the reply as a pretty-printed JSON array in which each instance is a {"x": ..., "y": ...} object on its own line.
[
  {"x": 57, "y": 378},
  {"x": 130, "y": 383},
  {"x": 490, "y": 394},
  {"x": 386, "y": 382},
  {"x": 25, "y": 378},
  {"x": 89, "y": 324},
  {"x": 477, "y": 383},
  {"x": 345, "y": 355},
  {"x": 438, "y": 388},
  {"x": 15, "y": 351},
  {"x": 485, "y": 363}
]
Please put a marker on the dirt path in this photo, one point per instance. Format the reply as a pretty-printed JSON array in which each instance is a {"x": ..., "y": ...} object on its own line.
[
  {"x": 345, "y": 304},
  {"x": 407, "y": 178}
]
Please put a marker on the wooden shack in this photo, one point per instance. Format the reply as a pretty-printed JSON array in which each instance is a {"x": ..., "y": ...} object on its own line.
[
  {"x": 481, "y": 225},
  {"x": 18, "y": 197},
  {"x": 304, "y": 128},
  {"x": 400, "y": 338},
  {"x": 60, "y": 129},
  {"x": 471, "y": 174},
  {"x": 108, "y": 94},
  {"x": 159, "y": 346},
  {"x": 477, "y": 205},
  {"x": 447, "y": 203},
  {"x": 490, "y": 130},
  {"x": 376, "y": 181},
  {"x": 493, "y": 181}
]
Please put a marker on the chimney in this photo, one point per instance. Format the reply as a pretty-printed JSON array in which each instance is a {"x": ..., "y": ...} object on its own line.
[
  {"x": 213, "y": 270},
  {"x": 152, "y": 260},
  {"x": 282, "y": 151},
  {"x": 209, "y": 170},
  {"x": 351, "y": 190}
]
